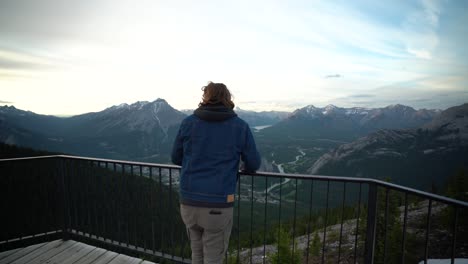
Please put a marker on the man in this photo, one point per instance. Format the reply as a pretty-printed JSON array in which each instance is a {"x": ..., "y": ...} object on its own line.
[{"x": 209, "y": 147}]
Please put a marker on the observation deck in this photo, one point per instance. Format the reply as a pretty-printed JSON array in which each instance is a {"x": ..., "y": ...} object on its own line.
[{"x": 128, "y": 212}]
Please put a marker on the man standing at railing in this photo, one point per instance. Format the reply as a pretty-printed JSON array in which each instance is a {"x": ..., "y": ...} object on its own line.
[{"x": 209, "y": 147}]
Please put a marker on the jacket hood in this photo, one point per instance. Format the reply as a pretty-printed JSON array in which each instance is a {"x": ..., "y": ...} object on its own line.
[{"x": 214, "y": 113}]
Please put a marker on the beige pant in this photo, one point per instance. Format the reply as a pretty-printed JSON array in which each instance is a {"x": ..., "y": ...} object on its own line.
[{"x": 208, "y": 230}]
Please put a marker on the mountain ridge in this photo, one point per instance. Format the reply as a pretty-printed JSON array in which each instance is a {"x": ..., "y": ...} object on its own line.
[
  {"x": 146, "y": 128},
  {"x": 433, "y": 151},
  {"x": 139, "y": 131}
]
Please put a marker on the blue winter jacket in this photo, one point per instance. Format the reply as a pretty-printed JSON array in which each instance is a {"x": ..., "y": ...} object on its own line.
[{"x": 209, "y": 146}]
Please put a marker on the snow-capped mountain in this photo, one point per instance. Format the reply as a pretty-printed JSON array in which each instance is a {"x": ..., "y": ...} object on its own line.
[
  {"x": 139, "y": 131},
  {"x": 339, "y": 123},
  {"x": 412, "y": 157},
  {"x": 140, "y": 116},
  {"x": 393, "y": 115}
]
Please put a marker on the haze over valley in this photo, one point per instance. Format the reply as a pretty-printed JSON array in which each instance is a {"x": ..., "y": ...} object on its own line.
[{"x": 383, "y": 143}]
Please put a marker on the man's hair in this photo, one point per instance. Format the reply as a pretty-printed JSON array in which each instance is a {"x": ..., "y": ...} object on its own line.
[{"x": 216, "y": 93}]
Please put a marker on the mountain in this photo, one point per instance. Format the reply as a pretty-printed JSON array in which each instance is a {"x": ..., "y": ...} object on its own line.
[
  {"x": 25, "y": 128},
  {"x": 264, "y": 118},
  {"x": 254, "y": 119},
  {"x": 145, "y": 131},
  {"x": 413, "y": 157},
  {"x": 141, "y": 131},
  {"x": 338, "y": 123},
  {"x": 309, "y": 132},
  {"x": 27, "y": 120},
  {"x": 15, "y": 135},
  {"x": 141, "y": 116}
]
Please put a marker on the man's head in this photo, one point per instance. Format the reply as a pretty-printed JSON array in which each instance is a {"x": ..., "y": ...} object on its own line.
[{"x": 216, "y": 93}]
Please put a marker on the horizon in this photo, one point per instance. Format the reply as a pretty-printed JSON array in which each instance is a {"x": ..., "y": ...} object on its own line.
[
  {"x": 235, "y": 108},
  {"x": 67, "y": 59}
]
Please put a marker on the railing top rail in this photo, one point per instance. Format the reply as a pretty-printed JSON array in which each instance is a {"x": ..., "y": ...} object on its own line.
[
  {"x": 409, "y": 190},
  {"x": 29, "y": 158},
  {"x": 125, "y": 162},
  {"x": 431, "y": 196}
]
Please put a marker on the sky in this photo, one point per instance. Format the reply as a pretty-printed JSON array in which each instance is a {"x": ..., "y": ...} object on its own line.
[{"x": 62, "y": 57}]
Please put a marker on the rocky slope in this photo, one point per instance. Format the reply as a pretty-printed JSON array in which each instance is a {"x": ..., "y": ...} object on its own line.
[
  {"x": 417, "y": 216},
  {"x": 412, "y": 157}
]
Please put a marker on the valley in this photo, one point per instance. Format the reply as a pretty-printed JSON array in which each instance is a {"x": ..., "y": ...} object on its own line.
[
  {"x": 310, "y": 140},
  {"x": 392, "y": 143}
]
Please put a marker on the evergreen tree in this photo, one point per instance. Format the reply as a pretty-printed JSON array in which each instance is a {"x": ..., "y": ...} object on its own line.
[
  {"x": 315, "y": 245},
  {"x": 393, "y": 230},
  {"x": 284, "y": 253},
  {"x": 457, "y": 186},
  {"x": 231, "y": 259}
]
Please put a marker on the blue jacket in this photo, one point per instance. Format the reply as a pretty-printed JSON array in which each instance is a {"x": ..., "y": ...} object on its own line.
[{"x": 209, "y": 146}]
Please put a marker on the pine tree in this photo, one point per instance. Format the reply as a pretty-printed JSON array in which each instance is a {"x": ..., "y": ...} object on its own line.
[
  {"x": 284, "y": 252},
  {"x": 393, "y": 229},
  {"x": 315, "y": 245}
]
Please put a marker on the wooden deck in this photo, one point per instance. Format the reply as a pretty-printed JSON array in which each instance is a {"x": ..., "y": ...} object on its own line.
[{"x": 66, "y": 252}]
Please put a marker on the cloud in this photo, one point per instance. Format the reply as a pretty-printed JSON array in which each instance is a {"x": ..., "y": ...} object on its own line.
[
  {"x": 334, "y": 76},
  {"x": 431, "y": 11},
  {"x": 247, "y": 102},
  {"x": 361, "y": 96},
  {"x": 420, "y": 100},
  {"x": 16, "y": 74},
  {"x": 17, "y": 60},
  {"x": 5, "y": 102},
  {"x": 293, "y": 46},
  {"x": 12, "y": 64},
  {"x": 31, "y": 22},
  {"x": 361, "y": 103},
  {"x": 421, "y": 28},
  {"x": 360, "y": 100}
]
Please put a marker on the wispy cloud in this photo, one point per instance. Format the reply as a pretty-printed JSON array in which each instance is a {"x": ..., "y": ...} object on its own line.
[
  {"x": 361, "y": 96},
  {"x": 421, "y": 29},
  {"x": 17, "y": 74},
  {"x": 5, "y": 102},
  {"x": 334, "y": 76},
  {"x": 16, "y": 60},
  {"x": 247, "y": 102},
  {"x": 273, "y": 54},
  {"x": 432, "y": 11}
]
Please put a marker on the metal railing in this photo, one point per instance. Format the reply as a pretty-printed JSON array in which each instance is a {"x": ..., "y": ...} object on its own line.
[{"x": 132, "y": 208}]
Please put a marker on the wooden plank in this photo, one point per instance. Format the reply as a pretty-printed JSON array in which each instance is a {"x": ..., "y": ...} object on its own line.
[
  {"x": 72, "y": 253},
  {"x": 124, "y": 259},
  {"x": 105, "y": 258},
  {"x": 20, "y": 253},
  {"x": 66, "y": 252},
  {"x": 91, "y": 257},
  {"x": 59, "y": 254},
  {"x": 35, "y": 253},
  {"x": 63, "y": 245},
  {"x": 84, "y": 251},
  {"x": 5, "y": 254}
]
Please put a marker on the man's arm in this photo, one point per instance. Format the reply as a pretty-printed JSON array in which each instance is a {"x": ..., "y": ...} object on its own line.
[
  {"x": 178, "y": 148},
  {"x": 250, "y": 155}
]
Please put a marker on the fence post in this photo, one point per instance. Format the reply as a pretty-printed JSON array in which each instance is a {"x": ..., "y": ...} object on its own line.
[
  {"x": 371, "y": 223},
  {"x": 65, "y": 216}
]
